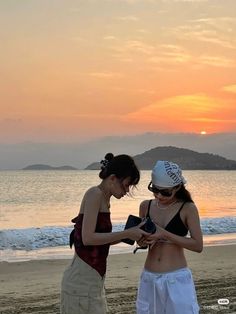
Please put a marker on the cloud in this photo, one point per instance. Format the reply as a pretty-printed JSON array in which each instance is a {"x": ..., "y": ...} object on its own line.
[
  {"x": 79, "y": 39},
  {"x": 144, "y": 91},
  {"x": 221, "y": 22},
  {"x": 211, "y": 120},
  {"x": 210, "y": 37},
  {"x": 95, "y": 116},
  {"x": 230, "y": 89},
  {"x": 217, "y": 61},
  {"x": 179, "y": 108},
  {"x": 186, "y": 0},
  {"x": 143, "y": 31},
  {"x": 109, "y": 37},
  {"x": 193, "y": 1},
  {"x": 134, "y": 90},
  {"x": 171, "y": 54},
  {"x": 105, "y": 75},
  {"x": 128, "y": 18},
  {"x": 216, "y": 31},
  {"x": 134, "y": 46},
  {"x": 154, "y": 1},
  {"x": 164, "y": 54},
  {"x": 133, "y": 1}
]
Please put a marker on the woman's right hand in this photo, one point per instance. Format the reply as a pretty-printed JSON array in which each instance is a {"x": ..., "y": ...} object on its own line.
[
  {"x": 142, "y": 242},
  {"x": 135, "y": 233}
]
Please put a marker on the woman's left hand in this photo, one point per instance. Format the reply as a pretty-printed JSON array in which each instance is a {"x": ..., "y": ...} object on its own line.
[{"x": 158, "y": 236}]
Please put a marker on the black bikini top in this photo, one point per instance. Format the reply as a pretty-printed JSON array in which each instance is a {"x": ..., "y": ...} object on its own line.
[{"x": 175, "y": 225}]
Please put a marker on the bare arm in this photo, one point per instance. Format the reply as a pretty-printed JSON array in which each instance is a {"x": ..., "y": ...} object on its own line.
[
  {"x": 89, "y": 236},
  {"x": 143, "y": 209},
  {"x": 193, "y": 243}
]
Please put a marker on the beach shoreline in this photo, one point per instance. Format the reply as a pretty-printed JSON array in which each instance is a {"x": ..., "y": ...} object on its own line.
[
  {"x": 64, "y": 252},
  {"x": 34, "y": 286}
]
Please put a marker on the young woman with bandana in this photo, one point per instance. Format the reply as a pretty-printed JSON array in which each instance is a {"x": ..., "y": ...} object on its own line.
[{"x": 166, "y": 284}]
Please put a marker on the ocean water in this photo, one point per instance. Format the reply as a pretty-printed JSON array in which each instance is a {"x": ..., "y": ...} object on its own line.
[{"x": 36, "y": 208}]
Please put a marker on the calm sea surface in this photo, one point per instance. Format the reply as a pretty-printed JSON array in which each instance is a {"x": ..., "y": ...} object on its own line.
[{"x": 36, "y": 207}]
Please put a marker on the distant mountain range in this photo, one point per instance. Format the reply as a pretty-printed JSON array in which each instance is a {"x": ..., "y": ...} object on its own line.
[
  {"x": 80, "y": 155},
  {"x": 185, "y": 158},
  {"x": 47, "y": 167}
]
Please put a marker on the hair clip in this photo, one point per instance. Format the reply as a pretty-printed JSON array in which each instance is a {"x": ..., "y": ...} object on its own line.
[{"x": 104, "y": 163}]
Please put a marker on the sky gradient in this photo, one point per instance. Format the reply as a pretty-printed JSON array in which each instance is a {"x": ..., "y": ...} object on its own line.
[{"x": 76, "y": 70}]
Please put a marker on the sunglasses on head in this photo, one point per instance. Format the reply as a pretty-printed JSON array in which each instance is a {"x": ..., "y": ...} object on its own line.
[{"x": 163, "y": 192}]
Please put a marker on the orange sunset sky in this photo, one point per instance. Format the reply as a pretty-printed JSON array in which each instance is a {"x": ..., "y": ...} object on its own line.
[{"x": 75, "y": 70}]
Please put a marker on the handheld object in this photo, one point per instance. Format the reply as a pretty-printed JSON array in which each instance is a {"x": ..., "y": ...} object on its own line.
[
  {"x": 149, "y": 227},
  {"x": 132, "y": 221}
]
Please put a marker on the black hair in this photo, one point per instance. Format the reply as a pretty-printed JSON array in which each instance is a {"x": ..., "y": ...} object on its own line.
[
  {"x": 122, "y": 166},
  {"x": 183, "y": 194}
]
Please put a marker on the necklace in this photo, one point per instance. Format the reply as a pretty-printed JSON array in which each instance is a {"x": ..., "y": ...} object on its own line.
[{"x": 167, "y": 206}]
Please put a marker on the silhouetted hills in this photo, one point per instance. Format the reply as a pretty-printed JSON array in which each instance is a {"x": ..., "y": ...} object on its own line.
[
  {"x": 47, "y": 167},
  {"x": 80, "y": 155},
  {"x": 185, "y": 158}
]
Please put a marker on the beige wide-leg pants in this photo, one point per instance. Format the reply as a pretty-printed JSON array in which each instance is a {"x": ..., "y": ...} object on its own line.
[{"x": 82, "y": 289}]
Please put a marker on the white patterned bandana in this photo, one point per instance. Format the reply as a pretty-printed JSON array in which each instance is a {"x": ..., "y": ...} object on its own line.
[{"x": 167, "y": 174}]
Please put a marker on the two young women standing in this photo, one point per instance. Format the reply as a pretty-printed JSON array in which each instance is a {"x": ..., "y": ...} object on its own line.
[{"x": 166, "y": 284}]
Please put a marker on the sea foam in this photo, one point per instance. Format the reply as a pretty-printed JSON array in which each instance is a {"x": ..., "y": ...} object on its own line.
[{"x": 35, "y": 238}]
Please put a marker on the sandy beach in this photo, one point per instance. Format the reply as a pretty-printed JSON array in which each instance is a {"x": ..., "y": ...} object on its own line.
[{"x": 34, "y": 286}]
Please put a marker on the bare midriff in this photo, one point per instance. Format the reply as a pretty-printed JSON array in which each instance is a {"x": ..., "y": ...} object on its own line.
[{"x": 165, "y": 257}]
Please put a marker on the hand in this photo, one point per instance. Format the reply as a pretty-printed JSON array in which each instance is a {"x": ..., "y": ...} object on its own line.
[
  {"x": 142, "y": 242},
  {"x": 135, "y": 233},
  {"x": 158, "y": 236}
]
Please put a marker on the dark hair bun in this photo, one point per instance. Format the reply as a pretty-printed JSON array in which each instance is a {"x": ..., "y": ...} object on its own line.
[
  {"x": 109, "y": 156},
  {"x": 122, "y": 166},
  {"x": 104, "y": 163}
]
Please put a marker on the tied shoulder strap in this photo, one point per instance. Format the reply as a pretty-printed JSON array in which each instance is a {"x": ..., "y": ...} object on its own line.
[
  {"x": 181, "y": 207},
  {"x": 148, "y": 211}
]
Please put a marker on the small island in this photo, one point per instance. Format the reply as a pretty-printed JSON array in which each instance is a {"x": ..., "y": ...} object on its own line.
[
  {"x": 47, "y": 167},
  {"x": 187, "y": 159}
]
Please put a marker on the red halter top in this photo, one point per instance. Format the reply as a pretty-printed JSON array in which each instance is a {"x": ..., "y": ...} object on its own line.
[{"x": 93, "y": 255}]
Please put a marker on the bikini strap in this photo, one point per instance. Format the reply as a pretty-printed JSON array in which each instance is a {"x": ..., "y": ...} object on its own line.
[
  {"x": 148, "y": 211},
  {"x": 181, "y": 207}
]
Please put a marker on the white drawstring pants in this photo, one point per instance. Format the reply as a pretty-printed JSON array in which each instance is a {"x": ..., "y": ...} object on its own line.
[{"x": 167, "y": 293}]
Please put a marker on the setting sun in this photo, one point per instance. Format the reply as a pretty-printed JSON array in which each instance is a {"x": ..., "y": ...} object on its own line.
[{"x": 203, "y": 133}]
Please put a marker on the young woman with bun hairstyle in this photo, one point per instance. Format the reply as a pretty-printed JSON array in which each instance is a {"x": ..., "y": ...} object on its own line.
[{"x": 82, "y": 290}]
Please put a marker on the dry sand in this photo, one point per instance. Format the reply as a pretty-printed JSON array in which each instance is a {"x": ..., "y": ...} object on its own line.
[{"x": 34, "y": 287}]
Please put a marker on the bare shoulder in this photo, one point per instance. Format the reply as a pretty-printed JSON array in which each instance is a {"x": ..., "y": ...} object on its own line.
[
  {"x": 93, "y": 192},
  {"x": 144, "y": 204},
  {"x": 143, "y": 207},
  {"x": 190, "y": 209},
  {"x": 91, "y": 200}
]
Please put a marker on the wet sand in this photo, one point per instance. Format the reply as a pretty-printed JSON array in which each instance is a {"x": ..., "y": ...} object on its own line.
[{"x": 34, "y": 286}]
